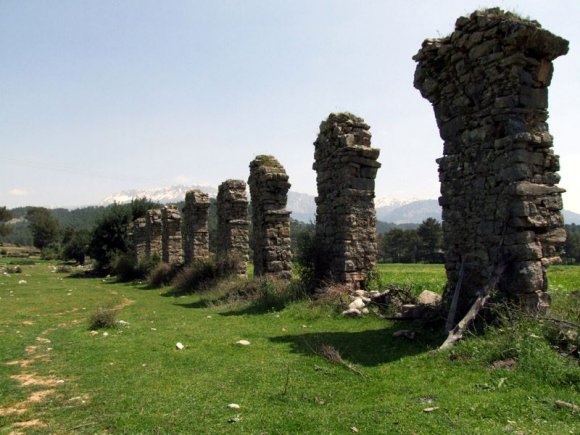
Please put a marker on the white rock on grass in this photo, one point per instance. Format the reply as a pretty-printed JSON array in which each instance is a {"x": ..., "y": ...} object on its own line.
[
  {"x": 358, "y": 304},
  {"x": 233, "y": 406},
  {"x": 352, "y": 312},
  {"x": 179, "y": 346},
  {"x": 22, "y": 281},
  {"x": 243, "y": 342}
]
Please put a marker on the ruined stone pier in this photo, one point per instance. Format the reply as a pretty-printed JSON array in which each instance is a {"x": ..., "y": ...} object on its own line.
[
  {"x": 488, "y": 83},
  {"x": 270, "y": 220},
  {"x": 233, "y": 224},
  {"x": 139, "y": 238},
  {"x": 195, "y": 229},
  {"x": 346, "y": 167},
  {"x": 154, "y": 230},
  {"x": 171, "y": 235}
]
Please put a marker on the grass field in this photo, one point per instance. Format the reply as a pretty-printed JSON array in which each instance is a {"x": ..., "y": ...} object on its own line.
[{"x": 56, "y": 377}]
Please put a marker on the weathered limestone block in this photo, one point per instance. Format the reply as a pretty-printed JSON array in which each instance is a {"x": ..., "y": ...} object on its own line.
[
  {"x": 346, "y": 167},
  {"x": 488, "y": 83},
  {"x": 270, "y": 220},
  {"x": 171, "y": 235},
  {"x": 195, "y": 229},
  {"x": 233, "y": 224},
  {"x": 154, "y": 230},
  {"x": 139, "y": 238}
]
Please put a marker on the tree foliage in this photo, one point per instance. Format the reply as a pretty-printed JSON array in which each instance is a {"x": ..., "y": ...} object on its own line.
[
  {"x": 44, "y": 227},
  {"x": 571, "y": 252},
  {"x": 423, "y": 244},
  {"x": 5, "y": 216}
]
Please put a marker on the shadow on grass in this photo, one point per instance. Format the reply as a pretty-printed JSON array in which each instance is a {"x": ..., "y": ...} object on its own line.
[{"x": 365, "y": 348}]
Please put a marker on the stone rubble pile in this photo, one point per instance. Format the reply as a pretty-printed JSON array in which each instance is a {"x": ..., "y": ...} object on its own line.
[
  {"x": 488, "y": 83},
  {"x": 270, "y": 219}
]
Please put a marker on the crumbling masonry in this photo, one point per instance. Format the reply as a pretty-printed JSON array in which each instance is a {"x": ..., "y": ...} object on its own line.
[
  {"x": 195, "y": 230},
  {"x": 346, "y": 167},
  {"x": 270, "y": 220},
  {"x": 488, "y": 83},
  {"x": 153, "y": 228},
  {"x": 171, "y": 235},
  {"x": 233, "y": 224},
  {"x": 139, "y": 238}
]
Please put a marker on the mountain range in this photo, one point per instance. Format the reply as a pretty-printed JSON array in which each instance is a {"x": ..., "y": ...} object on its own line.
[{"x": 303, "y": 206}]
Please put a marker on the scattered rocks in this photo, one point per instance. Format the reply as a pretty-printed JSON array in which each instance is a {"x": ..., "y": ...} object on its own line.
[
  {"x": 179, "y": 346},
  {"x": 428, "y": 297},
  {"x": 233, "y": 406},
  {"x": 243, "y": 342},
  {"x": 405, "y": 333},
  {"x": 352, "y": 312}
]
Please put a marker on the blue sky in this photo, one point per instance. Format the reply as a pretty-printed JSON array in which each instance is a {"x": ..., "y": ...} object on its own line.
[{"x": 102, "y": 96}]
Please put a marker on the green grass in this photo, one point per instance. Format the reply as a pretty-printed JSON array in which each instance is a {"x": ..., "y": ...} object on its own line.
[{"x": 135, "y": 381}]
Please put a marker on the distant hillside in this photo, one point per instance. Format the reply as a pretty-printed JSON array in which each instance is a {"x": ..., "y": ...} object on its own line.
[
  {"x": 570, "y": 217},
  {"x": 413, "y": 212}
]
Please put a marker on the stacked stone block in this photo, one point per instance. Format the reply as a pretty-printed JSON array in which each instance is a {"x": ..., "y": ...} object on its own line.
[
  {"x": 488, "y": 83},
  {"x": 139, "y": 238},
  {"x": 270, "y": 220},
  {"x": 154, "y": 231},
  {"x": 171, "y": 235},
  {"x": 233, "y": 224},
  {"x": 195, "y": 228},
  {"x": 346, "y": 166}
]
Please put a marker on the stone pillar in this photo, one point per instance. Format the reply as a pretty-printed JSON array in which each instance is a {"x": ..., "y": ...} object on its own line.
[
  {"x": 171, "y": 235},
  {"x": 346, "y": 167},
  {"x": 153, "y": 228},
  {"x": 270, "y": 219},
  {"x": 488, "y": 83},
  {"x": 195, "y": 230},
  {"x": 139, "y": 238},
  {"x": 233, "y": 223}
]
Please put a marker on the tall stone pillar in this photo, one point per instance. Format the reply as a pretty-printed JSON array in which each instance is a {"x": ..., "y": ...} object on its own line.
[
  {"x": 154, "y": 230},
  {"x": 346, "y": 167},
  {"x": 270, "y": 220},
  {"x": 488, "y": 83},
  {"x": 233, "y": 223},
  {"x": 171, "y": 235},
  {"x": 139, "y": 238},
  {"x": 195, "y": 229}
]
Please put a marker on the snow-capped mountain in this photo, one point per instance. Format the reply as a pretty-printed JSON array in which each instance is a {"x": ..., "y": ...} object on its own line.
[{"x": 164, "y": 195}]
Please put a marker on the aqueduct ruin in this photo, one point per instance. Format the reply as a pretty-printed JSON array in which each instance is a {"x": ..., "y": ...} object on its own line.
[{"x": 488, "y": 83}]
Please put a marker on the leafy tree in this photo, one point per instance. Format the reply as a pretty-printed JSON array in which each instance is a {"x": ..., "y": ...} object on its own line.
[
  {"x": 110, "y": 237},
  {"x": 399, "y": 246},
  {"x": 571, "y": 252},
  {"x": 44, "y": 227},
  {"x": 5, "y": 216},
  {"x": 430, "y": 241},
  {"x": 75, "y": 246}
]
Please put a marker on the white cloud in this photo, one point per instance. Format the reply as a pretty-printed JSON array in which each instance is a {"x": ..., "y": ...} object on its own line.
[{"x": 18, "y": 192}]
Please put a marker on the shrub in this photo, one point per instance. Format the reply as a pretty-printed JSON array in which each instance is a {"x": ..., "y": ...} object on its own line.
[
  {"x": 198, "y": 276},
  {"x": 62, "y": 268},
  {"x": 161, "y": 275},
  {"x": 49, "y": 253},
  {"x": 335, "y": 296},
  {"x": 264, "y": 292},
  {"x": 3, "y": 252},
  {"x": 104, "y": 316},
  {"x": 23, "y": 262},
  {"x": 228, "y": 265},
  {"x": 125, "y": 266},
  {"x": 306, "y": 258},
  {"x": 13, "y": 269}
]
